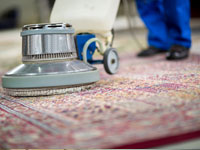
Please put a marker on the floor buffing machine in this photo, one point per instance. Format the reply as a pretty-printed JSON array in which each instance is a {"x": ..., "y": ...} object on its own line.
[{"x": 58, "y": 60}]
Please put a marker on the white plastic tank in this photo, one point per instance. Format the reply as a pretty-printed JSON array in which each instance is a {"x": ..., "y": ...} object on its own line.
[{"x": 94, "y": 16}]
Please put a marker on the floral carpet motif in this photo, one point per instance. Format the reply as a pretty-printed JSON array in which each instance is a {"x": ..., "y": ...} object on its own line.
[{"x": 148, "y": 99}]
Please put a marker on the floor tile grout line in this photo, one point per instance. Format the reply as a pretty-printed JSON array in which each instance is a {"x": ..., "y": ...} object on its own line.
[
  {"x": 43, "y": 112},
  {"x": 31, "y": 120}
]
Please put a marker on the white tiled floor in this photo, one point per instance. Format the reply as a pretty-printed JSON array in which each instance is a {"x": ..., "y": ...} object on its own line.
[{"x": 191, "y": 144}]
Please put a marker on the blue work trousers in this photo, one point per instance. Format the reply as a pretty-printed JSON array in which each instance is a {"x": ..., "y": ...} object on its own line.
[{"x": 167, "y": 21}]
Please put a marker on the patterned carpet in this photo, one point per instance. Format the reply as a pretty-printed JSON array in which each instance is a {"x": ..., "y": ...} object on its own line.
[{"x": 148, "y": 99}]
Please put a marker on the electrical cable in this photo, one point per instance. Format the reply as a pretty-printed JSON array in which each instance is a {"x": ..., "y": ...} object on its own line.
[
  {"x": 113, "y": 37},
  {"x": 131, "y": 23}
]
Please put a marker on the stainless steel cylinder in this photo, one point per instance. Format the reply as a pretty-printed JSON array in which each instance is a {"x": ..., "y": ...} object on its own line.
[{"x": 47, "y": 42}]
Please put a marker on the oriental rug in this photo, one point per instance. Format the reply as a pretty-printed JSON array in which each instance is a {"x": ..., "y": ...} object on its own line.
[{"x": 147, "y": 100}]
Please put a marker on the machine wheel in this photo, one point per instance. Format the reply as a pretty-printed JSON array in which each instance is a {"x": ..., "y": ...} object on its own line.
[{"x": 111, "y": 61}]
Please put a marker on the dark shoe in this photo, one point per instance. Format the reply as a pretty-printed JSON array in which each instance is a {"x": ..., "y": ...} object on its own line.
[
  {"x": 150, "y": 51},
  {"x": 177, "y": 52}
]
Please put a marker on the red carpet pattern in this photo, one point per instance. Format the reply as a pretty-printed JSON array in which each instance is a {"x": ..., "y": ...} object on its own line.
[{"x": 148, "y": 99}]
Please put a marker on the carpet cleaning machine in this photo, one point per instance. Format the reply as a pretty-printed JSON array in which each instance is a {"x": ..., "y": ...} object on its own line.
[{"x": 58, "y": 59}]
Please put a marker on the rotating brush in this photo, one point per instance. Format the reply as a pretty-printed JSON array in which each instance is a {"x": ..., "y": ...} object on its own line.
[{"x": 50, "y": 63}]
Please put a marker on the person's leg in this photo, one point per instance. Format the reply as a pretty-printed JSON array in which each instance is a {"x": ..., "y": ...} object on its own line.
[
  {"x": 152, "y": 14},
  {"x": 177, "y": 14}
]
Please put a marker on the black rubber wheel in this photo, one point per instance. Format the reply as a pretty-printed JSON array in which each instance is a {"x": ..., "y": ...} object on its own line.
[{"x": 111, "y": 61}]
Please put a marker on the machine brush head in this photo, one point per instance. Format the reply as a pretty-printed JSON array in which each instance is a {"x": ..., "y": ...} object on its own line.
[
  {"x": 50, "y": 63},
  {"x": 47, "y": 91}
]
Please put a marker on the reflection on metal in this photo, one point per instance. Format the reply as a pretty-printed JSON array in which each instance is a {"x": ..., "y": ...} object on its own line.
[
  {"x": 47, "y": 41},
  {"x": 49, "y": 68}
]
